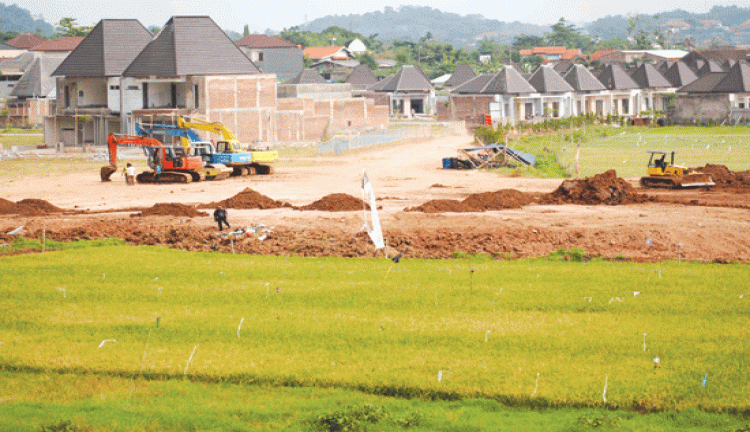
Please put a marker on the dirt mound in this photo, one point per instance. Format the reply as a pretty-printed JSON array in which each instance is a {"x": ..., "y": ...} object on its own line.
[
  {"x": 28, "y": 207},
  {"x": 248, "y": 199},
  {"x": 726, "y": 178},
  {"x": 337, "y": 202},
  {"x": 171, "y": 209},
  {"x": 478, "y": 202},
  {"x": 605, "y": 188}
]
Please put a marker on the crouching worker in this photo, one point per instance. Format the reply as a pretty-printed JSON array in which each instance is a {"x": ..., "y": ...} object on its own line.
[{"x": 220, "y": 216}]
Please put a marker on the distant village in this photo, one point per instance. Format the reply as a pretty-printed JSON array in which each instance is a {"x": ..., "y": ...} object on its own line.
[{"x": 273, "y": 92}]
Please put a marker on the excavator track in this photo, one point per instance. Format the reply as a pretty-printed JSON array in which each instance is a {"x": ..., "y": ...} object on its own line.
[
  {"x": 166, "y": 177},
  {"x": 659, "y": 182}
]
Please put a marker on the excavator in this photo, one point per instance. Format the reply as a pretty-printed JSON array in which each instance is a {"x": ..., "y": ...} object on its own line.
[
  {"x": 176, "y": 165},
  {"x": 194, "y": 145},
  {"x": 229, "y": 151},
  {"x": 665, "y": 174}
]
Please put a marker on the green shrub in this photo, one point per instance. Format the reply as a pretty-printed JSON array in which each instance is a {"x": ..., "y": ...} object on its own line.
[
  {"x": 572, "y": 254},
  {"x": 65, "y": 426},
  {"x": 352, "y": 419}
]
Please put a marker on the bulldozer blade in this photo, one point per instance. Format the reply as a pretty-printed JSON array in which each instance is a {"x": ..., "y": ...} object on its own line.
[
  {"x": 106, "y": 172},
  {"x": 696, "y": 180}
]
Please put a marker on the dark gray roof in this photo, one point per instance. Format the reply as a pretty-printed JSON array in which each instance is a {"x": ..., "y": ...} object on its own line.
[
  {"x": 190, "y": 45},
  {"x": 380, "y": 84},
  {"x": 728, "y": 64},
  {"x": 614, "y": 78},
  {"x": 662, "y": 66},
  {"x": 17, "y": 64},
  {"x": 704, "y": 84},
  {"x": 409, "y": 79},
  {"x": 508, "y": 81},
  {"x": 37, "y": 81},
  {"x": 737, "y": 79},
  {"x": 307, "y": 76},
  {"x": 361, "y": 75},
  {"x": 460, "y": 75},
  {"x": 709, "y": 66},
  {"x": 474, "y": 85},
  {"x": 648, "y": 77},
  {"x": 563, "y": 66},
  {"x": 4, "y": 47},
  {"x": 107, "y": 50},
  {"x": 680, "y": 74},
  {"x": 581, "y": 79},
  {"x": 546, "y": 80}
]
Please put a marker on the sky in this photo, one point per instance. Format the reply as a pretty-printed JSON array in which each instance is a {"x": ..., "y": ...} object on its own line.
[{"x": 260, "y": 15}]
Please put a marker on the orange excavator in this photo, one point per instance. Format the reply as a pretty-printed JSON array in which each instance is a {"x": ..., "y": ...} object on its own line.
[{"x": 176, "y": 165}]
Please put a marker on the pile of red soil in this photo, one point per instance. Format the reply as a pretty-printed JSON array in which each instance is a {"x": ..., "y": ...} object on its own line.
[
  {"x": 605, "y": 188},
  {"x": 28, "y": 207},
  {"x": 248, "y": 199},
  {"x": 478, "y": 202},
  {"x": 726, "y": 178},
  {"x": 171, "y": 209},
  {"x": 337, "y": 202}
]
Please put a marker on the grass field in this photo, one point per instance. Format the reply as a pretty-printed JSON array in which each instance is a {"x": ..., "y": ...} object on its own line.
[
  {"x": 528, "y": 333},
  {"x": 21, "y": 137},
  {"x": 624, "y": 149}
]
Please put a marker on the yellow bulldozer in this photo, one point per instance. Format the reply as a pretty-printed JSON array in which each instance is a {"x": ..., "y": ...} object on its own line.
[{"x": 665, "y": 174}]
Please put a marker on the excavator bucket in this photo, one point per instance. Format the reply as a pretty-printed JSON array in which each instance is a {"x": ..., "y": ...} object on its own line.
[{"x": 106, "y": 172}]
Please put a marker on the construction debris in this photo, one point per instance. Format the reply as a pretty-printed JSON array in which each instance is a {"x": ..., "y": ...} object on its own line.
[{"x": 490, "y": 156}]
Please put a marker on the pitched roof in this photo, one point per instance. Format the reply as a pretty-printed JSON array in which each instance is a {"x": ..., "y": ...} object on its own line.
[
  {"x": 581, "y": 79},
  {"x": 307, "y": 76},
  {"x": 380, "y": 84},
  {"x": 648, "y": 77},
  {"x": 408, "y": 78},
  {"x": 107, "y": 50},
  {"x": 190, "y": 45},
  {"x": 460, "y": 75},
  {"x": 704, "y": 84},
  {"x": 680, "y": 74},
  {"x": 728, "y": 64},
  {"x": 563, "y": 66},
  {"x": 37, "y": 81},
  {"x": 571, "y": 54},
  {"x": 322, "y": 52},
  {"x": 4, "y": 47},
  {"x": 708, "y": 67},
  {"x": 361, "y": 75},
  {"x": 546, "y": 80},
  {"x": 508, "y": 81},
  {"x": 662, "y": 66},
  {"x": 264, "y": 41},
  {"x": 549, "y": 50},
  {"x": 614, "y": 78},
  {"x": 65, "y": 43},
  {"x": 474, "y": 85},
  {"x": 596, "y": 55},
  {"x": 737, "y": 79},
  {"x": 26, "y": 40},
  {"x": 17, "y": 64}
]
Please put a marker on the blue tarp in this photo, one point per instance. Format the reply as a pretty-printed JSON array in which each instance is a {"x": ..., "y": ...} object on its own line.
[{"x": 521, "y": 156}]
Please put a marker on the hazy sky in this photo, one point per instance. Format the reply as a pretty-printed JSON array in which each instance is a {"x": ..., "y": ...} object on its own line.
[{"x": 277, "y": 14}]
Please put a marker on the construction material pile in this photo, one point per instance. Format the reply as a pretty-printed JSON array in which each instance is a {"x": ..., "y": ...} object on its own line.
[
  {"x": 28, "y": 207},
  {"x": 336, "y": 202},
  {"x": 726, "y": 178},
  {"x": 479, "y": 202},
  {"x": 605, "y": 188},
  {"x": 170, "y": 209},
  {"x": 248, "y": 199}
]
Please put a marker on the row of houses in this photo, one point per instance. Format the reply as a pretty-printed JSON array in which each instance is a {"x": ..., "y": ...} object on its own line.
[{"x": 695, "y": 89}]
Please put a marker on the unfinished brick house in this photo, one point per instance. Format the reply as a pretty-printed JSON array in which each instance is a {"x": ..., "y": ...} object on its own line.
[
  {"x": 716, "y": 97},
  {"x": 121, "y": 74}
]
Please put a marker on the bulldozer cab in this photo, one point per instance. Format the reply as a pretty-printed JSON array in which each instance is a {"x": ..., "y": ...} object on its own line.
[{"x": 658, "y": 160}]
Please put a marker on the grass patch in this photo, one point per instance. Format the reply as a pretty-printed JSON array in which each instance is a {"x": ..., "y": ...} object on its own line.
[
  {"x": 19, "y": 169},
  {"x": 116, "y": 404},
  {"x": 20, "y": 139},
  {"x": 22, "y": 244},
  {"x": 534, "y": 332}
]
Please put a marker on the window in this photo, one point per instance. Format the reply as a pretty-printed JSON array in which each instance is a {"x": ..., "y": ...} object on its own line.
[
  {"x": 626, "y": 106},
  {"x": 260, "y": 55},
  {"x": 173, "y": 90},
  {"x": 196, "y": 97},
  {"x": 742, "y": 105},
  {"x": 114, "y": 87},
  {"x": 80, "y": 93},
  {"x": 145, "y": 95},
  {"x": 67, "y": 96},
  {"x": 578, "y": 108}
]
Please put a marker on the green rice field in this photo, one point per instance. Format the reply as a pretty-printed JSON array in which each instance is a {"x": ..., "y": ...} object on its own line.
[{"x": 542, "y": 333}]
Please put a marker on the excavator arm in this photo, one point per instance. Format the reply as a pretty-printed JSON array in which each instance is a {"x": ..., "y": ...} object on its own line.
[
  {"x": 151, "y": 145},
  {"x": 214, "y": 127}
]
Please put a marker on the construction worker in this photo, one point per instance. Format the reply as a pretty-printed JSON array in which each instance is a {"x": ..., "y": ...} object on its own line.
[
  {"x": 158, "y": 173},
  {"x": 220, "y": 216},
  {"x": 130, "y": 174}
]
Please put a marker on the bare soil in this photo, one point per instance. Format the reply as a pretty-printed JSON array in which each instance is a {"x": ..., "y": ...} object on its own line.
[{"x": 450, "y": 210}]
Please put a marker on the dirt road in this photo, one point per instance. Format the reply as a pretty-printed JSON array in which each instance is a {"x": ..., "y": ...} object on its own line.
[{"x": 701, "y": 224}]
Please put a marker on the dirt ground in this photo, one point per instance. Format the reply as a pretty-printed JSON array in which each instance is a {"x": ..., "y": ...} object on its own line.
[{"x": 313, "y": 207}]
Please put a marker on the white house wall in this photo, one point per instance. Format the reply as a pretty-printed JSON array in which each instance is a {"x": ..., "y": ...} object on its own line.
[{"x": 91, "y": 92}]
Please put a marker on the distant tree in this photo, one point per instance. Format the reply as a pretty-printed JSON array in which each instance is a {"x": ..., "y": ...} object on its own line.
[
  {"x": 487, "y": 46},
  {"x": 246, "y": 30},
  {"x": 68, "y": 27},
  {"x": 6, "y": 36},
  {"x": 613, "y": 43},
  {"x": 526, "y": 41},
  {"x": 567, "y": 35},
  {"x": 369, "y": 60},
  {"x": 530, "y": 63}
]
